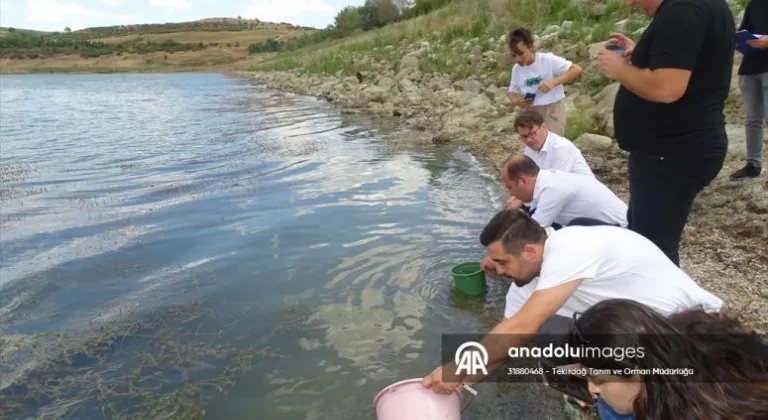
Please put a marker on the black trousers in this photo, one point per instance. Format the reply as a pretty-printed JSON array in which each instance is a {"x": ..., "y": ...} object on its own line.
[
  {"x": 662, "y": 190},
  {"x": 587, "y": 221}
]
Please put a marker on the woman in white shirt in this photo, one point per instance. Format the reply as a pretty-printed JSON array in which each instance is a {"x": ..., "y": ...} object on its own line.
[{"x": 537, "y": 79}]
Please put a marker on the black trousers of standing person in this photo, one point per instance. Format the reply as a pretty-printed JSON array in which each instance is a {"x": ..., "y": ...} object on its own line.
[{"x": 662, "y": 189}]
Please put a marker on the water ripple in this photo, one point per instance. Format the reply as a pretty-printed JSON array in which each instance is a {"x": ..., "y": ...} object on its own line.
[{"x": 283, "y": 222}]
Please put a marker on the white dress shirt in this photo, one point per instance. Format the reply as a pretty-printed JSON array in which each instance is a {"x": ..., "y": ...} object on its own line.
[
  {"x": 561, "y": 154},
  {"x": 562, "y": 196},
  {"x": 612, "y": 263}
]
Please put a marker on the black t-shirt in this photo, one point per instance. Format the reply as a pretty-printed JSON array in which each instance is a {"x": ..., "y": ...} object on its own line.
[
  {"x": 755, "y": 21},
  {"x": 696, "y": 35}
]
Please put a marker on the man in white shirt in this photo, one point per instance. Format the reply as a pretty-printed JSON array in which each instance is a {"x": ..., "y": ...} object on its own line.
[
  {"x": 547, "y": 149},
  {"x": 567, "y": 271},
  {"x": 560, "y": 197}
]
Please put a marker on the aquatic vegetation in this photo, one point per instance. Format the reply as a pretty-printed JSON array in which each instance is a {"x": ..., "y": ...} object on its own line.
[{"x": 166, "y": 365}]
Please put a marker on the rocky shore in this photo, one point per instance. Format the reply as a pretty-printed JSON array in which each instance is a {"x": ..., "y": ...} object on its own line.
[{"x": 725, "y": 246}]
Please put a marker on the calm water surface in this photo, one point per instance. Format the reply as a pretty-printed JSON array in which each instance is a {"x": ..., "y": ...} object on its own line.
[{"x": 184, "y": 244}]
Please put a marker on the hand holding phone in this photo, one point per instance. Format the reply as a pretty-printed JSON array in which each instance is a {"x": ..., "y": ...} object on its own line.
[{"x": 615, "y": 48}]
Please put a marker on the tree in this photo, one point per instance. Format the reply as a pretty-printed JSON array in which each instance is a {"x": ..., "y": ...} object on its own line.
[
  {"x": 347, "y": 20},
  {"x": 387, "y": 12},
  {"x": 67, "y": 29}
]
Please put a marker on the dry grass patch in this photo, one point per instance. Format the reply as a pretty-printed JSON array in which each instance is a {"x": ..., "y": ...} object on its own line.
[
  {"x": 158, "y": 61},
  {"x": 221, "y": 37}
]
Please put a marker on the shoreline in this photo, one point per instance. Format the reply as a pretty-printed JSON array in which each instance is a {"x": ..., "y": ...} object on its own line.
[
  {"x": 135, "y": 70},
  {"x": 725, "y": 243}
]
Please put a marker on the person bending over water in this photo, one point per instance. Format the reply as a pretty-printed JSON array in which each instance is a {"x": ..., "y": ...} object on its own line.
[
  {"x": 729, "y": 365},
  {"x": 559, "y": 272},
  {"x": 559, "y": 197}
]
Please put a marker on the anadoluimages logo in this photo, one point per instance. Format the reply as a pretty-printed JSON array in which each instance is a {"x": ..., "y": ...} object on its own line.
[{"x": 472, "y": 358}]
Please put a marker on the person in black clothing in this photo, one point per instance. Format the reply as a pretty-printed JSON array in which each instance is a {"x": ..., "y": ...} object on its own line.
[
  {"x": 668, "y": 112},
  {"x": 753, "y": 83}
]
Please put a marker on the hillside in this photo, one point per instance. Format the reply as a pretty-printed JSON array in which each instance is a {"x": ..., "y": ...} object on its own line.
[
  {"x": 444, "y": 75},
  {"x": 213, "y": 43}
]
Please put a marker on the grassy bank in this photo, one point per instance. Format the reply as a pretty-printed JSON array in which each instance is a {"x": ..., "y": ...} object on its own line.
[{"x": 465, "y": 38}]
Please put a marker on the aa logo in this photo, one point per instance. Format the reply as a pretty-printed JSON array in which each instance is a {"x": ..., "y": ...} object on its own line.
[{"x": 472, "y": 358}]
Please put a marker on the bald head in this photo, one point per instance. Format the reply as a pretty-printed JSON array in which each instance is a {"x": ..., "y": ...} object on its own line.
[{"x": 517, "y": 166}]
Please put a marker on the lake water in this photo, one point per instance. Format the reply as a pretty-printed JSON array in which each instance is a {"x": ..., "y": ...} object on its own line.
[{"x": 192, "y": 245}]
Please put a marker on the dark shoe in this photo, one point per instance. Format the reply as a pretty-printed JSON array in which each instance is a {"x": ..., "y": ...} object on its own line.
[{"x": 748, "y": 171}]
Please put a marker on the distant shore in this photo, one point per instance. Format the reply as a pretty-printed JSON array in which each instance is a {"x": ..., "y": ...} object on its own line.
[{"x": 148, "y": 63}]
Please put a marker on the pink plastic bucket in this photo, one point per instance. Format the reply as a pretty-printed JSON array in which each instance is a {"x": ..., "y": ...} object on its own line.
[{"x": 409, "y": 400}]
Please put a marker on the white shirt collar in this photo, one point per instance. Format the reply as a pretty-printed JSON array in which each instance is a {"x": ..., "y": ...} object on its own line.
[{"x": 545, "y": 146}]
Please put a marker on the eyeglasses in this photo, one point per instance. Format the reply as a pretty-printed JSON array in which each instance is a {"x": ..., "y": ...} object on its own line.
[{"x": 530, "y": 133}]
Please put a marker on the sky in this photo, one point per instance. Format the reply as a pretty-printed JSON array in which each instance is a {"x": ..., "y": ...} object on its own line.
[{"x": 55, "y": 15}]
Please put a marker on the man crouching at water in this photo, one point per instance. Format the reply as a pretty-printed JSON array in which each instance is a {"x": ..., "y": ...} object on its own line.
[{"x": 568, "y": 271}]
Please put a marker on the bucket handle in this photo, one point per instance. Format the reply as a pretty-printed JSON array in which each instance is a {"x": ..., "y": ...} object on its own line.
[{"x": 472, "y": 393}]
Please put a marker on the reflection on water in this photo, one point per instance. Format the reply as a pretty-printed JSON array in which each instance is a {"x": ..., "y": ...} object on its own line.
[{"x": 192, "y": 245}]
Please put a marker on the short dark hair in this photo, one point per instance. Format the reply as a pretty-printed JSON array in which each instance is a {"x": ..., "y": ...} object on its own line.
[
  {"x": 514, "y": 228},
  {"x": 528, "y": 118},
  {"x": 520, "y": 165},
  {"x": 519, "y": 35}
]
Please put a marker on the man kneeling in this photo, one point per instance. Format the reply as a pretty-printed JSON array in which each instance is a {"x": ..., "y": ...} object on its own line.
[{"x": 569, "y": 270}]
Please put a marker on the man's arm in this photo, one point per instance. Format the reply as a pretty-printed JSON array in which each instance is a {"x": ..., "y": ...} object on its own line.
[
  {"x": 674, "y": 51},
  {"x": 519, "y": 329}
]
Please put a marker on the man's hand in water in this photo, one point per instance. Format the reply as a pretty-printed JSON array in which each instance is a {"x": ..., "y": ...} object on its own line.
[{"x": 436, "y": 382}]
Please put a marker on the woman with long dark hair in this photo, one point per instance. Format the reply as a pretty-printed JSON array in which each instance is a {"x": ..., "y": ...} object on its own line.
[{"x": 707, "y": 365}]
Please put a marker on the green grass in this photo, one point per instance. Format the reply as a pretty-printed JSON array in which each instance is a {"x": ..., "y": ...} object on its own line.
[
  {"x": 457, "y": 36},
  {"x": 466, "y": 38}
]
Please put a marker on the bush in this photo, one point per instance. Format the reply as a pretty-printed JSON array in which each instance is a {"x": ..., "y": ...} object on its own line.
[
  {"x": 269, "y": 45},
  {"x": 24, "y": 44},
  {"x": 348, "y": 20}
]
